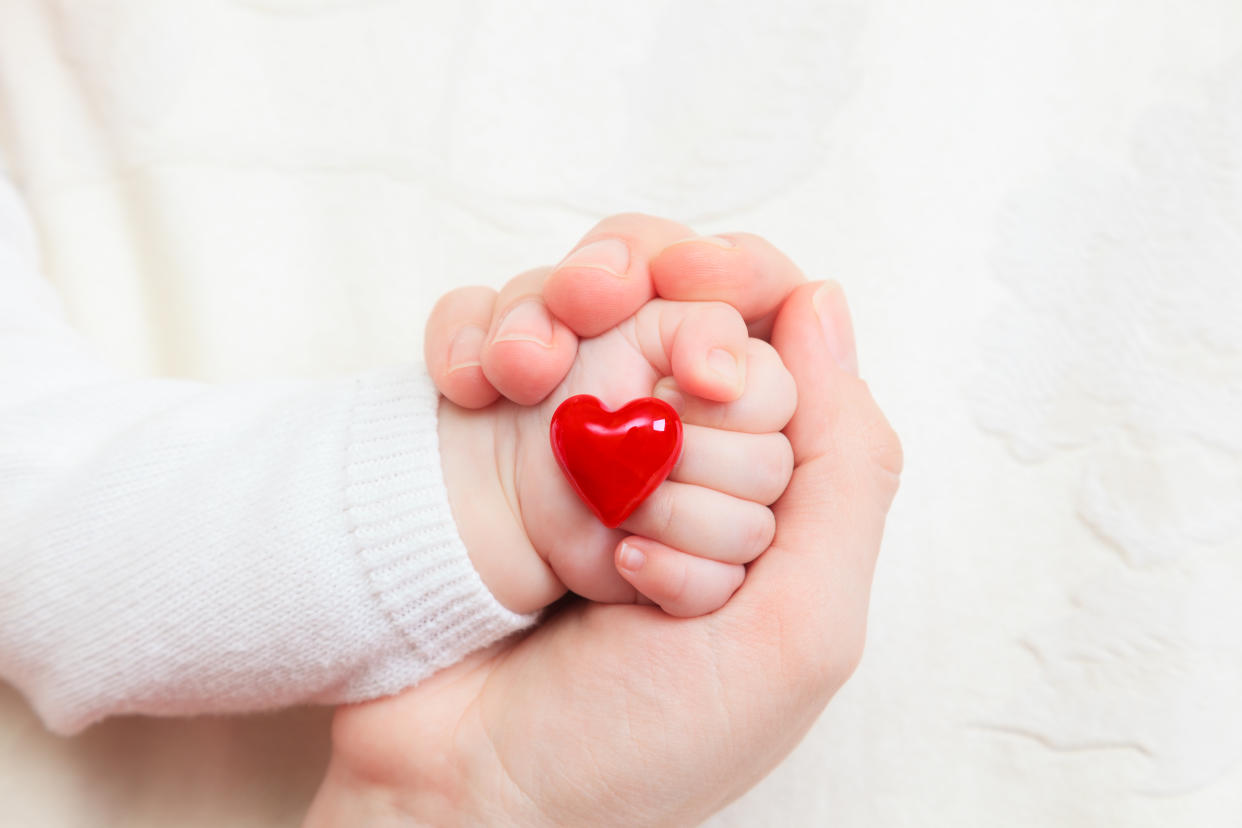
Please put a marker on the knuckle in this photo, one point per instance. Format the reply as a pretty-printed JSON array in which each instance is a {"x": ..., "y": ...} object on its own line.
[
  {"x": 630, "y": 217},
  {"x": 470, "y": 293},
  {"x": 766, "y": 369},
  {"x": 774, "y": 468},
  {"x": 446, "y": 301},
  {"x": 762, "y": 353},
  {"x": 887, "y": 451},
  {"x": 710, "y": 317},
  {"x": 847, "y": 653},
  {"x": 840, "y": 658},
  {"x": 732, "y": 318},
  {"x": 790, "y": 395},
  {"x": 757, "y": 532},
  {"x": 675, "y": 584},
  {"x": 884, "y": 446},
  {"x": 534, "y": 275},
  {"x": 749, "y": 239},
  {"x": 635, "y": 222},
  {"x": 526, "y": 285},
  {"x": 708, "y": 414},
  {"x": 473, "y": 300},
  {"x": 827, "y": 660},
  {"x": 882, "y": 442},
  {"x": 664, "y": 511},
  {"x": 723, "y": 310}
]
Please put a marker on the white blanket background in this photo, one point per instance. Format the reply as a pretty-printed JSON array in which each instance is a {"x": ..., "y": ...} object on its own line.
[{"x": 1035, "y": 208}]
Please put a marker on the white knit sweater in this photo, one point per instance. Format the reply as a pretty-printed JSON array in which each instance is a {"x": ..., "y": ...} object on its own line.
[{"x": 172, "y": 547}]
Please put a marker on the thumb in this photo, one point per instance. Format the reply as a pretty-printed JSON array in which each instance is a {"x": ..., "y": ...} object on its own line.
[{"x": 817, "y": 574}]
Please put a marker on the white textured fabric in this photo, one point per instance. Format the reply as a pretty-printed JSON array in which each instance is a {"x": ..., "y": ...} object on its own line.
[
  {"x": 172, "y": 547},
  {"x": 1033, "y": 208}
]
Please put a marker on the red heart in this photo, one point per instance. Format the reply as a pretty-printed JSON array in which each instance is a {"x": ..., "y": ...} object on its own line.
[{"x": 614, "y": 459}]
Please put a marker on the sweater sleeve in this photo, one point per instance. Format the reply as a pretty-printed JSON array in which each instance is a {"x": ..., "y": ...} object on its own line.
[{"x": 172, "y": 547}]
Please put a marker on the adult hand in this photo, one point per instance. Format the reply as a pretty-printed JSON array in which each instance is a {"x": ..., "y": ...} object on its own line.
[
  {"x": 620, "y": 714},
  {"x": 520, "y": 342}
]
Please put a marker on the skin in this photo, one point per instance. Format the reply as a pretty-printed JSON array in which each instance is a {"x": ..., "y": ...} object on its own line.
[
  {"x": 528, "y": 534},
  {"x": 618, "y": 714}
]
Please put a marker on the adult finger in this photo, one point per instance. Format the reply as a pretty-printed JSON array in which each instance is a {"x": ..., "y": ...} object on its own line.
[
  {"x": 742, "y": 269},
  {"x": 605, "y": 278},
  {"x": 453, "y": 345},
  {"x": 527, "y": 351},
  {"x": 817, "y": 575}
]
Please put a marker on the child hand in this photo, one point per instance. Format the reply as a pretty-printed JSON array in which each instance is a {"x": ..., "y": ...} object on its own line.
[{"x": 528, "y": 534}]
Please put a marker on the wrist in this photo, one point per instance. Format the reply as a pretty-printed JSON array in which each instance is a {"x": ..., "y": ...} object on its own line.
[
  {"x": 478, "y": 461},
  {"x": 345, "y": 799},
  {"x": 422, "y": 758},
  {"x": 346, "y": 802}
]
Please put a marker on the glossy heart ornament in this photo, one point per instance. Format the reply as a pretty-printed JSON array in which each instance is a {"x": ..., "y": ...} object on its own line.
[{"x": 615, "y": 459}]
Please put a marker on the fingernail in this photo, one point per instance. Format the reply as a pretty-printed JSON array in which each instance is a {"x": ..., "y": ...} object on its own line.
[
  {"x": 527, "y": 321},
  {"x": 834, "y": 316},
  {"x": 725, "y": 365},
  {"x": 609, "y": 255},
  {"x": 666, "y": 389},
  {"x": 631, "y": 558},
  {"x": 465, "y": 348}
]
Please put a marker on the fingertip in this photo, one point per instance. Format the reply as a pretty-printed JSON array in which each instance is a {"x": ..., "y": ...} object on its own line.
[
  {"x": 461, "y": 377},
  {"x": 527, "y": 351},
  {"x": 743, "y": 269},
  {"x": 526, "y": 372},
  {"x": 591, "y": 300},
  {"x": 799, "y": 333},
  {"x": 680, "y": 584},
  {"x": 715, "y": 377},
  {"x": 453, "y": 342},
  {"x": 605, "y": 278},
  {"x": 631, "y": 557},
  {"x": 470, "y": 391},
  {"x": 779, "y": 390},
  {"x": 834, "y": 315},
  {"x": 827, "y": 388}
]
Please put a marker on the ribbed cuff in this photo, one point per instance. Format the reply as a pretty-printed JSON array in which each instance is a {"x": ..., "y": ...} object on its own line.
[{"x": 405, "y": 537}]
